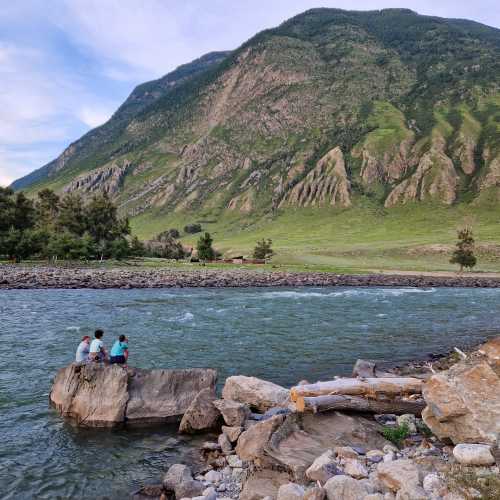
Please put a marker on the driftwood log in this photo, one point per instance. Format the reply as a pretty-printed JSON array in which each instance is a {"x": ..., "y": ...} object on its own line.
[
  {"x": 397, "y": 406},
  {"x": 370, "y": 388}
]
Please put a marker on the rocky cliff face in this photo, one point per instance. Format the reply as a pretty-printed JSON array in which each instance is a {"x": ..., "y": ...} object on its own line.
[{"x": 329, "y": 106}]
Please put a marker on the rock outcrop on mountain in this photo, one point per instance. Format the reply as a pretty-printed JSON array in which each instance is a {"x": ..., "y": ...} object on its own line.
[
  {"x": 96, "y": 395},
  {"x": 328, "y": 107},
  {"x": 325, "y": 184},
  {"x": 108, "y": 179}
]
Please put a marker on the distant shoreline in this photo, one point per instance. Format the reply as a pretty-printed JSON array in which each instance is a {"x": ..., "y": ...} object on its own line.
[{"x": 45, "y": 277}]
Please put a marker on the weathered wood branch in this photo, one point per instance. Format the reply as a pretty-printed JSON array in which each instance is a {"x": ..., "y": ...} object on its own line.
[
  {"x": 355, "y": 403},
  {"x": 368, "y": 387}
]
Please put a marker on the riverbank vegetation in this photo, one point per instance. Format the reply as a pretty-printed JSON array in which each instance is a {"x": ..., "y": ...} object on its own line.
[{"x": 53, "y": 227}]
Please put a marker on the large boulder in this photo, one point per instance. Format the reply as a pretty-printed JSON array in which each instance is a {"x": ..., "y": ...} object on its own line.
[
  {"x": 252, "y": 442},
  {"x": 201, "y": 414},
  {"x": 259, "y": 394},
  {"x": 96, "y": 395},
  {"x": 158, "y": 396},
  {"x": 91, "y": 394},
  {"x": 463, "y": 403}
]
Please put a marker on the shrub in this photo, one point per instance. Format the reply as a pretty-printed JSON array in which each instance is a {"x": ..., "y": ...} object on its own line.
[
  {"x": 263, "y": 249},
  {"x": 192, "y": 228},
  {"x": 397, "y": 434}
]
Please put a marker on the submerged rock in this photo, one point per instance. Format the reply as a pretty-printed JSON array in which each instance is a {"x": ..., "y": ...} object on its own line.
[{"x": 97, "y": 395}]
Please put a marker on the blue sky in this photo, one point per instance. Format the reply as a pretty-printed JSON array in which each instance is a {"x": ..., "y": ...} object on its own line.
[{"x": 66, "y": 65}]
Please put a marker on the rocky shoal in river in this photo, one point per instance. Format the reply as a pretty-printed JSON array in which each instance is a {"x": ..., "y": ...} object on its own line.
[{"x": 20, "y": 277}]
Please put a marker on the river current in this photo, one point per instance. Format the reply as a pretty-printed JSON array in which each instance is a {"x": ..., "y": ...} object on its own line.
[{"x": 282, "y": 335}]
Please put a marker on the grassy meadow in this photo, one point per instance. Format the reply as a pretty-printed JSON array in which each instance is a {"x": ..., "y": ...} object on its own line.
[{"x": 365, "y": 238}]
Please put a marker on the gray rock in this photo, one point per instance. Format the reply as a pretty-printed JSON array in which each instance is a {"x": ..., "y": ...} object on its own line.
[
  {"x": 258, "y": 394},
  {"x": 345, "y": 488},
  {"x": 213, "y": 476},
  {"x": 252, "y": 442},
  {"x": 433, "y": 484},
  {"x": 234, "y": 461},
  {"x": 409, "y": 421},
  {"x": 393, "y": 475},
  {"x": 179, "y": 480},
  {"x": 323, "y": 468},
  {"x": 290, "y": 491},
  {"x": 233, "y": 433},
  {"x": 225, "y": 444},
  {"x": 234, "y": 413},
  {"x": 473, "y": 454},
  {"x": 201, "y": 414},
  {"x": 355, "y": 469},
  {"x": 315, "y": 493},
  {"x": 178, "y": 388},
  {"x": 263, "y": 483},
  {"x": 411, "y": 492},
  {"x": 345, "y": 452}
]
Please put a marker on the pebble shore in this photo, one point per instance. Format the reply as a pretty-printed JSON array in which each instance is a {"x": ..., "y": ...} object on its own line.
[{"x": 18, "y": 277}]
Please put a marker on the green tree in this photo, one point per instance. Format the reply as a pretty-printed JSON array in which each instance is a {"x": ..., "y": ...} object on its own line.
[
  {"x": 104, "y": 225},
  {"x": 263, "y": 249},
  {"x": 71, "y": 216},
  {"x": 18, "y": 244},
  {"x": 204, "y": 247},
  {"x": 47, "y": 208},
  {"x": 24, "y": 213},
  {"x": 69, "y": 246},
  {"x": 6, "y": 209},
  {"x": 137, "y": 248},
  {"x": 464, "y": 251}
]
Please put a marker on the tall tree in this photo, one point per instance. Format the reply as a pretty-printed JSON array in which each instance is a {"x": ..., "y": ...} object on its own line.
[
  {"x": 204, "y": 247},
  {"x": 47, "y": 208},
  {"x": 6, "y": 209},
  {"x": 71, "y": 216},
  {"x": 464, "y": 251}
]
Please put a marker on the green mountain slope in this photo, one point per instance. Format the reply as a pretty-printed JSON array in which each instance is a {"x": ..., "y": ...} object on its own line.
[{"x": 331, "y": 110}]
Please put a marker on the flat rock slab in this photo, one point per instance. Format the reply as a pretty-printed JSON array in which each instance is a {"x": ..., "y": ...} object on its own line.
[
  {"x": 96, "y": 395},
  {"x": 301, "y": 439}
]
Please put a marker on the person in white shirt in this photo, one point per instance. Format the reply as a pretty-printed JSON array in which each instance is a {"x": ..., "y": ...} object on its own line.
[
  {"x": 82, "y": 352},
  {"x": 97, "y": 350}
]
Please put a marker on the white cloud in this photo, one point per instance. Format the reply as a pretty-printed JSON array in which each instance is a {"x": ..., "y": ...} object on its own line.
[
  {"x": 65, "y": 69},
  {"x": 93, "y": 117}
]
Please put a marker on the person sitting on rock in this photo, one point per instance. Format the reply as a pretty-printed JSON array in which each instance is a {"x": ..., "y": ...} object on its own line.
[
  {"x": 82, "y": 352},
  {"x": 98, "y": 352},
  {"x": 119, "y": 351}
]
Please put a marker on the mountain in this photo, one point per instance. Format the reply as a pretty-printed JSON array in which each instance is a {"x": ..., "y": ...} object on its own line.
[{"x": 332, "y": 108}]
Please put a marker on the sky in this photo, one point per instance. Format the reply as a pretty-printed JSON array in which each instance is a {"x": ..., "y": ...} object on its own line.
[{"x": 66, "y": 65}]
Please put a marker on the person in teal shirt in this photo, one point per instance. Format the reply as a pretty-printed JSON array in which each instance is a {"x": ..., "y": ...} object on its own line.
[{"x": 119, "y": 351}]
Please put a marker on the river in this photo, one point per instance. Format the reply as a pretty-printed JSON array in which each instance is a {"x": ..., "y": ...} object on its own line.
[{"x": 283, "y": 335}]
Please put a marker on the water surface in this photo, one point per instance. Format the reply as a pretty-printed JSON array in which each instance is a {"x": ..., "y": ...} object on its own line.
[{"x": 283, "y": 335}]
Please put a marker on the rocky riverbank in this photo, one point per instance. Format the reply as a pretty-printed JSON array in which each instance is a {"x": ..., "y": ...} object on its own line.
[
  {"x": 20, "y": 277},
  {"x": 298, "y": 443}
]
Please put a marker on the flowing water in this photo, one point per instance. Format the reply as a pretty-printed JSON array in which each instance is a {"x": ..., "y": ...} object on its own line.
[{"x": 282, "y": 335}]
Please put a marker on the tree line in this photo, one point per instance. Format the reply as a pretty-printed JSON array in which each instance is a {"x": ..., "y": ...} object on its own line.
[{"x": 66, "y": 227}]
